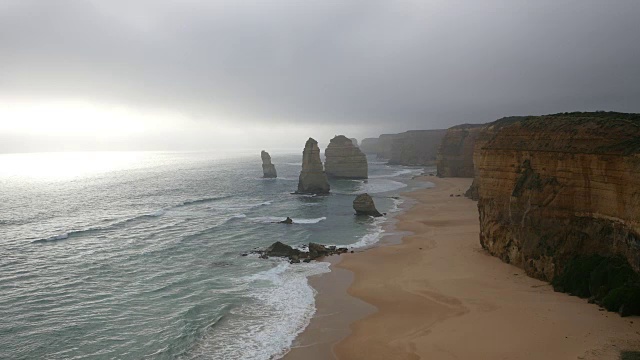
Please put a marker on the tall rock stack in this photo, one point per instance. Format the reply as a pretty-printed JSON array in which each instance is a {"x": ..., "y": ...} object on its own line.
[
  {"x": 268, "y": 169},
  {"x": 312, "y": 179},
  {"x": 344, "y": 160}
]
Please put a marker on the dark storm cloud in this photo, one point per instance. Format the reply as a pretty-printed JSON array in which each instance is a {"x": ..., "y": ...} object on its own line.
[{"x": 406, "y": 64}]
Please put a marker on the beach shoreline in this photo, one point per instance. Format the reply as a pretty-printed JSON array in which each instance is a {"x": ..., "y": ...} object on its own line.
[{"x": 438, "y": 294}]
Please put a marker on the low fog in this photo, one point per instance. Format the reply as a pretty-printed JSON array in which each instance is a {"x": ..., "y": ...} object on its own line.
[{"x": 199, "y": 75}]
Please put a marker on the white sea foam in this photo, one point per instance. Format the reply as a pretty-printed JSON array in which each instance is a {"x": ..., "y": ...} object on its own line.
[
  {"x": 275, "y": 219},
  {"x": 376, "y": 186},
  {"x": 157, "y": 213},
  {"x": 395, "y": 174},
  {"x": 58, "y": 237},
  {"x": 282, "y": 307}
]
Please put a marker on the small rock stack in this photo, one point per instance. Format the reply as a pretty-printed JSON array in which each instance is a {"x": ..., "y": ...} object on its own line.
[
  {"x": 363, "y": 205},
  {"x": 268, "y": 169}
]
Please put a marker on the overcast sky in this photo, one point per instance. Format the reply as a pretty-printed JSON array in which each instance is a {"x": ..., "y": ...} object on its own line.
[{"x": 159, "y": 74}]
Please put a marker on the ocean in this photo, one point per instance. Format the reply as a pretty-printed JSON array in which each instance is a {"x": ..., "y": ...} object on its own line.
[{"x": 136, "y": 255}]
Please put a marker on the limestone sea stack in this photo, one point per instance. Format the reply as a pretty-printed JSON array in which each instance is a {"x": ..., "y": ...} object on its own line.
[
  {"x": 268, "y": 169},
  {"x": 363, "y": 205},
  {"x": 312, "y": 178},
  {"x": 344, "y": 160}
]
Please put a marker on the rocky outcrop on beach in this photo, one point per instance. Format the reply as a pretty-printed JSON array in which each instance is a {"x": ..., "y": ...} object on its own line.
[
  {"x": 556, "y": 188},
  {"x": 455, "y": 155},
  {"x": 315, "y": 251},
  {"x": 344, "y": 160},
  {"x": 364, "y": 205},
  {"x": 268, "y": 169},
  {"x": 313, "y": 179},
  {"x": 416, "y": 147}
]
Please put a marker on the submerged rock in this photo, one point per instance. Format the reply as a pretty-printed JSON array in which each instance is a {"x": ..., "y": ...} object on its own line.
[
  {"x": 288, "y": 220},
  {"x": 312, "y": 178},
  {"x": 268, "y": 169},
  {"x": 363, "y": 205},
  {"x": 344, "y": 160}
]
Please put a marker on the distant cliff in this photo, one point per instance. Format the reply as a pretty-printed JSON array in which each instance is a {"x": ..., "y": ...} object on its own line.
[
  {"x": 416, "y": 147},
  {"x": 553, "y": 188},
  {"x": 455, "y": 154},
  {"x": 369, "y": 146}
]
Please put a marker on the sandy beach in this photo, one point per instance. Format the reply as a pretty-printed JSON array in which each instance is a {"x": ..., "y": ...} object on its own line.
[{"x": 438, "y": 295}]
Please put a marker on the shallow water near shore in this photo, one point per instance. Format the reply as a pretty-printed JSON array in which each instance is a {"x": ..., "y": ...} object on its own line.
[{"x": 138, "y": 255}]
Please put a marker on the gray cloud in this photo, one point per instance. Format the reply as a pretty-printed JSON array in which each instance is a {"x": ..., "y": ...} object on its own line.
[{"x": 395, "y": 65}]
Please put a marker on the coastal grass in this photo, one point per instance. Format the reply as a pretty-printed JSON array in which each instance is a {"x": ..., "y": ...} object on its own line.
[{"x": 607, "y": 281}]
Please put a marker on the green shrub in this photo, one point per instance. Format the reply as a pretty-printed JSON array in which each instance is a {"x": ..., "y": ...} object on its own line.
[
  {"x": 625, "y": 300},
  {"x": 609, "y": 281}
]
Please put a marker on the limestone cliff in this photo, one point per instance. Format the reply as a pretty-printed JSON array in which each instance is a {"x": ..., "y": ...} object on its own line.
[
  {"x": 385, "y": 144},
  {"x": 354, "y": 141},
  {"x": 344, "y": 160},
  {"x": 416, "y": 147},
  {"x": 312, "y": 178},
  {"x": 559, "y": 186},
  {"x": 268, "y": 169},
  {"x": 369, "y": 145},
  {"x": 455, "y": 154}
]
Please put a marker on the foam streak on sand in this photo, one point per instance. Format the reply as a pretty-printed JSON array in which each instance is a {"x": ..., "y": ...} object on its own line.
[{"x": 440, "y": 296}]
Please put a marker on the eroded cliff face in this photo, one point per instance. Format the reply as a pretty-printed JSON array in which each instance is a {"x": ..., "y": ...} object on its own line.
[
  {"x": 455, "y": 155},
  {"x": 344, "y": 160},
  {"x": 416, "y": 147},
  {"x": 312, "y": 178},
  {"x": 558, "y": 186},
  {"x": 369, "y": 145}
]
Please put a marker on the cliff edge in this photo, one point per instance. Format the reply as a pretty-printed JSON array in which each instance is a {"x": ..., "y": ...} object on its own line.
[
  {"x": 553, "y": 188},
  {"x": 455, "y": 155}
]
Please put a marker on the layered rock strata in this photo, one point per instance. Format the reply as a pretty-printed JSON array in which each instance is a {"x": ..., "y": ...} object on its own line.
[
  {"x": 363, "y": 205},
  {"x": 455, "y": 155},
  {"x": 344, "y": 160},
  {"x": 556, "y": 187},
  {"x": 416, "y": 147},
  {"x": 312, "y": 178},
  {"x": 268, "y": 169}
]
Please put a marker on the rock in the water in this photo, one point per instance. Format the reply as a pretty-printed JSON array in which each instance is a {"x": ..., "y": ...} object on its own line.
[
  {"x": 288, "y": 220},
  {"x": 279, "y": 249},
  {"x": 344, "y": 160},
  {"x": 295, "y": 256},
  {"x": 363, "y": 205},
  {"x": 268, "y": 169},
  {"x": 317, "y": 250},
  {"x": 312, "y": 179}
]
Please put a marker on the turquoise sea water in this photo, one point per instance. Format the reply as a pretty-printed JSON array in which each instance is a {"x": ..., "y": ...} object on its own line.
[{"x": 138, "y": 255}]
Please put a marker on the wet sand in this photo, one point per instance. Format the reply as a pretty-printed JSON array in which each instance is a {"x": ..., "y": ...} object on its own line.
[{"x": 438, "y": 295}]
